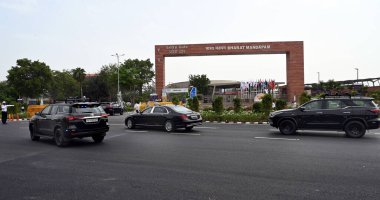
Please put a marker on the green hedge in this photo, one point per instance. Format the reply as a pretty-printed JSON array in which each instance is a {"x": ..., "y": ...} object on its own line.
[{"x": 231, "y": 116}]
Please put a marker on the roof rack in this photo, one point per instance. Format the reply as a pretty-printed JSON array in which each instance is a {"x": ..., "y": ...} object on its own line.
[{"x": 336, "y": 96}]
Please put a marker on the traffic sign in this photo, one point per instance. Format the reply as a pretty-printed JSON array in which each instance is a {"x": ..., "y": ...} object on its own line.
[{"x": 193, "y": 92}]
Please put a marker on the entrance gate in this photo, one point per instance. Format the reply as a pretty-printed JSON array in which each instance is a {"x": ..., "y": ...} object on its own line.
[{"x": 293, "y": 51}]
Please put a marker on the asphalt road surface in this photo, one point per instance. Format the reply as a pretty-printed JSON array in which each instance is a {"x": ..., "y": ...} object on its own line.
[{"x": 214, "y": 161}]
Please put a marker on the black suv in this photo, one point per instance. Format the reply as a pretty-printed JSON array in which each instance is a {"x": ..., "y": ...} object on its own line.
[
  {"x": 66, "y": 121},
  {"x": 112, "y": 108},
  {"x": 354, "y": 115}
]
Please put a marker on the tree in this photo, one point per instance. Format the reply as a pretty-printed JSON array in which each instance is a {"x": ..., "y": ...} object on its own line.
[
  {"x": 134, "y": 74},
  {"x": 217, "y": 105},
  {"x": 7, "y": 93},
  {"x": 201, "y": 82},
  {"x": 30, "y": 78},
  {"x": 96, "y": 88},
  {"x": 63, "y": 85},
  {"x": 79, "y": 75}
]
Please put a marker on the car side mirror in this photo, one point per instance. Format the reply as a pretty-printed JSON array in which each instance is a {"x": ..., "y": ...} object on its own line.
[
  {"x": 302, "y": 108},
  {"x": 38, "y": 113}
]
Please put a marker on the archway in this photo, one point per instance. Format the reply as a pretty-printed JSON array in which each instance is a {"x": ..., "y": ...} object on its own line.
[{"x": 293, "y": 51}]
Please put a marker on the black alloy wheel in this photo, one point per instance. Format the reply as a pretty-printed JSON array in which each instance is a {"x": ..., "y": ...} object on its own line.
[
  {"x": 355, "y": 129},
  {"x": 59, "y": 138},
  {"x": 287, "y": 127},
  {"x": 189, "y": 128}
]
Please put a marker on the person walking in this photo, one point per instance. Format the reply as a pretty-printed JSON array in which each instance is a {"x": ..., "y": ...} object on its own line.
[
  {"x": 4, "y": 112},
  {"x": 137, "y": 107}
]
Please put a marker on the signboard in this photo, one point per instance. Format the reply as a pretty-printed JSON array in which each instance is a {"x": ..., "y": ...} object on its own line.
[
  {"x": 193, "y": 92},
  {"x": 176, "y": 90}
]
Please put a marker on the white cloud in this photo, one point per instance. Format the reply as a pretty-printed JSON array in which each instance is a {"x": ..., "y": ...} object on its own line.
[{"x": 20, "y": 6}]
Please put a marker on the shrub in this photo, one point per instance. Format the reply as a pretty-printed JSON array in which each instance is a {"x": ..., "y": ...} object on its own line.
[
  {"x": 237, "y": 105},
  {"x": 304, "y": 98},
  {"x": 257, "y": 107},
  {"x": 217, "y": 105},
  {"x": 280, "y": 104},
  {"x": 195, "y": 104},
  {"x": 267, "y": 103},
  {"x": 175, "y": 100}
]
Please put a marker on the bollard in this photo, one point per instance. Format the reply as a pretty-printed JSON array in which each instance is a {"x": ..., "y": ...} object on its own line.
[{"x": 18, "y": 119}]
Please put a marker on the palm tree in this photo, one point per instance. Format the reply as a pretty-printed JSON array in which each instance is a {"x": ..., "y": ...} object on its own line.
[{"x": 79, "y": 74}]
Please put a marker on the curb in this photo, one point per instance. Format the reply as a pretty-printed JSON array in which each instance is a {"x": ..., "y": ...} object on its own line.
[{"x": 216, "y": 122}]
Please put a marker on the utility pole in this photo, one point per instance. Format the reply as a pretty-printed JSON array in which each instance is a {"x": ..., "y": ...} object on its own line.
[
  {"x": 318, "y": 78},
  {"x": 118, "y": 78}
]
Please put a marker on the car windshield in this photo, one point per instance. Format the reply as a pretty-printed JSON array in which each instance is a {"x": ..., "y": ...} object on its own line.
[
  {"x": 87, "y": 108},
  {"x": 181, "y": 109}
]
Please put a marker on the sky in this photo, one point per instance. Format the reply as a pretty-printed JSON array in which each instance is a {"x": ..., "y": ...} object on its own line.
[{"x": 338, "y": 35}]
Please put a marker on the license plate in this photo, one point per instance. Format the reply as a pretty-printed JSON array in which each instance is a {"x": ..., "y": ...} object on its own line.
[
  {"x": 194, "y": 117},
  {"x": 92, "y": 120}
]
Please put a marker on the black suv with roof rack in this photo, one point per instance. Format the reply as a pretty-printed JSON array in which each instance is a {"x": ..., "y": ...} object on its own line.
[
  {"x": 65, "y": 121},
  {"x": 354, "y": 115}
]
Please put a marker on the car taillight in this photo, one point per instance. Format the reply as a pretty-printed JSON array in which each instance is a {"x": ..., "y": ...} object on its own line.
[
  {"x": 70, "y": 118},
  {"x": 184, "y": 117},
  {"x": 104, "y": 115},
  {"x": 377, "y": 111}
]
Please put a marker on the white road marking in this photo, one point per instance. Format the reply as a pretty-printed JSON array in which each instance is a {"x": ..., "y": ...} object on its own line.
[
  {"x": 113, "y": 136},
  {"x": 194, "y": 134},
  {"x": 130, "y": 131},
  {"x": 270, "y": 138},
  {"x": 206, "y": 127},
  {"x": 376, "y": 133},
  {"x": 116, "y": 124}
]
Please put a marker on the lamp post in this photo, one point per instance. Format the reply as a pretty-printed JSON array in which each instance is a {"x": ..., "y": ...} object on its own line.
[
  {"x": 357, "y": 73},
  {"x": 118, "y": 77},
  {"x": 318, "y": 78}
]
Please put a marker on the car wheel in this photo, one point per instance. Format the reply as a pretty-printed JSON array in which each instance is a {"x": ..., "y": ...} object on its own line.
[
  {"x": 59, "y": 138},
  {"x": 98, "y": 138},
  {"x": 354, "y": 129},
  {"x": 169, "y": 126},
  {"x": 111, "y": 113},
  {"x": 189, "y": 128},
  {"x": 33, "y": 134},
  {"x": 287, "y": 127},
  {"x": 129, "y": 123}
]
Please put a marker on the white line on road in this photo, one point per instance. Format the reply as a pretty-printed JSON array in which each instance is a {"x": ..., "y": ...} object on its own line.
[
  {"x": 194, "y": 134},
  {"x": 116, "y": 124},
  {"x": 270, "y": 138},
  {"x": 129, "y": 131},
  {"x": 376, "y": 133},
  {"x": 206, "y": 127},
  {"x": 113, "y": 136}
]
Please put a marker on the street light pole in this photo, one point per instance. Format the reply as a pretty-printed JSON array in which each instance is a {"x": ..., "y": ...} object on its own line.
[
  {"x": 118, "y": 77},
  {"x": 357, "y": 73},
  {"x": 318, "y": 78}
]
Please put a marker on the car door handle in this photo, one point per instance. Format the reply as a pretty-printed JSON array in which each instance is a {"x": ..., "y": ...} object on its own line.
[
  {"x": 346, "y": 112},
  {"x": 319, "y": 112}
]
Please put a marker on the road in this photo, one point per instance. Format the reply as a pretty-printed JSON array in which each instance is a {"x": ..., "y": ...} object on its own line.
[{"x": 214, "y": 161}]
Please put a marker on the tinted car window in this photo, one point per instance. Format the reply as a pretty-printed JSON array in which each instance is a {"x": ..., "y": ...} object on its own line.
[
  {"x": 314, "y": 105},
  {"x": 159, "y": 110},
  {"x": 181, "y": 109},
  {"x": 46, "y": 110},
  {"x": 54, "y": 110},
  {"x": 63, "y": 109},
  {"x": 87, "y": 108},
  {"x": 335, "y": 104},
  {"x": 368, "y": 104},
  {"x": 148, "y": 110}
]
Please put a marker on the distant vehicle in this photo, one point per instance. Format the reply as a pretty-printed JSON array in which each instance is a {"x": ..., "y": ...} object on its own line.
[
  {"x": 170, "y": 117},
  {"x": 354, "y": 115},
  {"x": 66, "y": 121},
  {"x": 112, "y": 108}
]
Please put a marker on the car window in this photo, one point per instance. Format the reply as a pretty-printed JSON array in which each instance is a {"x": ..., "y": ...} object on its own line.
[
  {"x": 365, "y": 103},
  {"x": 54, "y": 110},
  {"x": 159, "y": 110},
  {"x": 335, "y": 104},
  {"x": 181, "y": 109},
  {"x": 87, "y": 108},
  {"x": 46, "y": 110},
  {"x": 63, "y": 109},
  {"x": 148, "y": 110},
  {"x": 314, "y": 105}
]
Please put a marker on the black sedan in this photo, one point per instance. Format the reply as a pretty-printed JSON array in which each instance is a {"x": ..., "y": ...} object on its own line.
[
  {"x": 170, "y": 117},
  {"x": 112, "y": 108}
]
